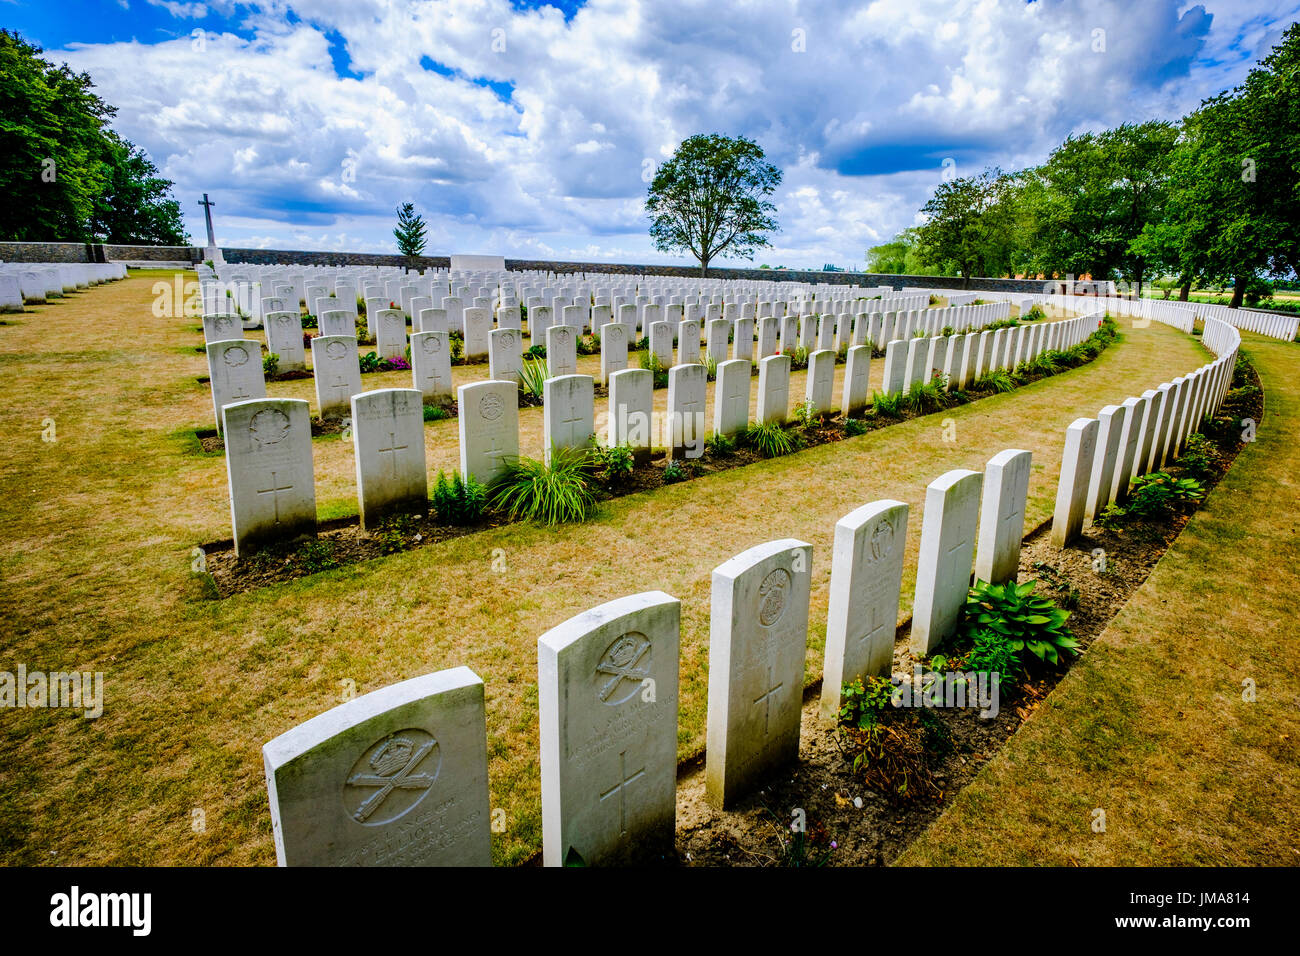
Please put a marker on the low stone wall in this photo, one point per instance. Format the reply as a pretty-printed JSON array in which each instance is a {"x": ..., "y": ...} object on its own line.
[
  {"x": 277, "y": 257},
  {"x": 45, "y": 252}
]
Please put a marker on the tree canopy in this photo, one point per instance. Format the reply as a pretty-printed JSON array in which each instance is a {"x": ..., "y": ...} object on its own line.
[
  {"x": 65, "y": 175},
  {"x": 410, "y": 231},
  {"x": 1213, "y": 198},
  {"x": 708, "y": 199}
]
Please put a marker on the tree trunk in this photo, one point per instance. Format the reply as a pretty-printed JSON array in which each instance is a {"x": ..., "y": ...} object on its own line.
[
  {"x": 1185, "y": 292},
  {"x": 1238, "y": 292},
  {"x": 1140, "y": 274},
  {"x": 704, "y": 266}
]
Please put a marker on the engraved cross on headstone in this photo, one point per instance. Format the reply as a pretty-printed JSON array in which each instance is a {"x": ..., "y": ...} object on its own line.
[
  {"x": 274, "y": 492},
  {"x": 765, "y": 698},
  {"x": 393, "y": 449},
  {"x": 620, "y": 788}
]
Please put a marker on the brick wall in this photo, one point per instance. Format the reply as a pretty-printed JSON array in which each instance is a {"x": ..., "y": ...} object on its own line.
[{"x": 45, "y": 252}]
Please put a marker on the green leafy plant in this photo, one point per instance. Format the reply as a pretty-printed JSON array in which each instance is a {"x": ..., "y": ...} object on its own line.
[
  {"x": 805, "y": 414},
  {"x": 675, "y": 471},
  {"x": 456, "y": 346},
  {"x": 710, "y": 367},
  {"x": 370, "y": 362},
  {"x": 1199, "y": 457},
  {"x": 457, "y": 500},
  {"x": 533, "y": 374},
  {"x": 1031, "y": 624},
  {"x": 996, "y": 382},
  {"x": 992, "y": 651},
  {"x": 614, "y": 463},
  {"x": 769, "y": 439},
  {"x": 435, "y": 413},
  {"x": 535, "y": 351},
  {"x": 555, "y": 493},
  {"x": 270, "y": 363},
  {"x": 1160, "y": 494},
  {"x": 922, "y": 398},
  {"x": 719, "y": 445},
  {"x": 887, "y": 404},
  {"x": 854, "y": 427}
]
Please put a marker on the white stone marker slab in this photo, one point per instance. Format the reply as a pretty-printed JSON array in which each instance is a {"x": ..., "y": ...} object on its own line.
[
  {"x": 767, "y": 337},
  {"x": 1111, "y": 421},
  {"x": 866, "y": 580},
  {"x": 1002, "y": 516},
  {"x": 455, "y": 308},
  {"x": 918, "y": 351},
  {"x": 388, "y": 432},
  {"x": 688, "y": 342},
  {"x": 744, "y": 348},
  {"x": 661, "y": 343},
  {"x": 607, "y": 708},
  {"x": 562, "y": 350},
  {"x": 758, "y": 637},
  {"x": 222, "y": 327},
  {"x": 1163, "y": 407},
  {"x": 717, "y": 333},
  {"x": 396, "y": 777},
  {"x": 1072, "y": 489},
  {"x": 857, "y": 379},
  {"x": 687, "y": 390},
  {"x": 821, "y": 381},
  {"x": 731, "y": 397},
  {"x": 1130, "y": 439},
  {"x": 631, "y": 405},
  {"x": 505, "y": 354},
  {"x": 488, "y": 422},
  {"x": 478, "y": 324},
  {"x": 774, "y": 389},
  {"x": 269, "y": 471},
  {"x": 284, "y": 338},
  {"x": 540, "y": 319},
  {"x": 568, "y": 413},
  {"x": 613, "y": 350},
  {"x": 337, "y": 373},
  {"x": 234, "y": 373},
  {"x": 390, "y": 333},
  {"x": 952, "y": 503},
  {"x": 431, "y": 367},
  {"x": 337, "y": 322}
]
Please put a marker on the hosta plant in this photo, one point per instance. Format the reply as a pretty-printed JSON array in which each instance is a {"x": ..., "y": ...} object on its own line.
[{"x": 1031, "y": 624}]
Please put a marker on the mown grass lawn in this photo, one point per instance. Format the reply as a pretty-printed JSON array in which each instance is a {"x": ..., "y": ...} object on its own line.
[
  {"x": 1154, "y": 726},
  {"x": 96, "y": 530}
]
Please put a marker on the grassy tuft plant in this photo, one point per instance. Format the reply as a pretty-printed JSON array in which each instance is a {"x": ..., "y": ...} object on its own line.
[
  {"x": 270, "y": 363},
  {"x": 769, "y": 439},
  {"x": 532, "y": 490},
  {"x": 435, "y": 413},
  {"x": 533, "y": 374},
  {"x": 887, "y": 404}
]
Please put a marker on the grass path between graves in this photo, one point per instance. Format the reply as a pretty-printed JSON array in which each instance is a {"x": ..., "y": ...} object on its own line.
[
  {"x": 1152, "y": 726},
  {"x": 96, "y": 530}
]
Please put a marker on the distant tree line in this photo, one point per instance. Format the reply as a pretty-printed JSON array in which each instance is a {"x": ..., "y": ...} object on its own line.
[
  {"x": 1211, "y": 200},
  {"x": 65, "y": 175}
]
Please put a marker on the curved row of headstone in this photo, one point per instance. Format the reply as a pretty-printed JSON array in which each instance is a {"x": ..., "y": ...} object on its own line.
[
  {"x": 34, "y": 283},
  {"x": 268, "y": 441},
  {"x": 1104, "y": 455},
  {"x": 399, "y": 775}
]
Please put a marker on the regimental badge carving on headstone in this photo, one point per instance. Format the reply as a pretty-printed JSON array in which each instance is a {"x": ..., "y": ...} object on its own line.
[
  {"x": 882, "y": 539},
  {"x": 392, "y": 777},
  {"x": 622, "y": 668},
  {"x": 236, "y": 356},
  {"x": 284, "y": 321},
  {"x": 508, "y": 339},
  {"x": 395, "y": 320},
  {"x": 336, "y": 350},
  {"x": 772, "y": 596},
  {"x": 431, "y": 344},
  {"x": 224, "y": 324},
  {"x": 269, "y": 426},
  {"x": 490, "y": 407}
]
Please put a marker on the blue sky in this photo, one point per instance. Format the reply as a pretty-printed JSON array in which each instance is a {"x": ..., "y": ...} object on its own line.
[{"x": 529, "y": 129}]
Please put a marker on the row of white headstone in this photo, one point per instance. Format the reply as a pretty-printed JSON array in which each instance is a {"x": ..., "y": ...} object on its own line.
[
  {"x": 399, "y": 776},
  {"x": 35, "y": 283},
  {"x": 1103, "y": 455},
  {"x": 268, "y": 441}
]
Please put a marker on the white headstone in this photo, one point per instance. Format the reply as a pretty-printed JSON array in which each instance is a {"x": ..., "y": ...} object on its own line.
[
  {"x": 568, "y": 413},
  {"x": 758, "y": 636},
  {"x": 1002, "y": 516},
  {"x": 631, "y": 404},
  {"x": 774, "y": 389},
  {"x": 388, "y": 432},
  {"x": 1072, "y": 489},
  {"x": 821, "y": 380},
  {"x": 337, "y": 373},
  {"x": 396, "y": 777},
  {"x": 687, "y": 389},
  {"x": 943, "y": 567},
  {"x": 562, "y": 350},
  {"x": 234, "y": 373},
  {"x": 488, "y": 421},
  {"x": 607, "y": 707},
  {"x": 390, "y": 333},
  {"x": 284, "y": 338},
  {"x": 269, "y": 471},
  {"x": 731, "y": 397},
  {"x": 505, "y": 354},
  {"x": 866, "y": 580},
  {"x": 613, "y": 350}
]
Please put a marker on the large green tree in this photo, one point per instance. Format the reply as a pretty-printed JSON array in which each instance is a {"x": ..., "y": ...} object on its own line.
[
  {"x": 64, "y": 174},
  {"x": 1234, "y": 207},
  {"x": 1095, "y": 195},
  {"x": 970, "y": 225},
  {"x": 708, "y": 199}
]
